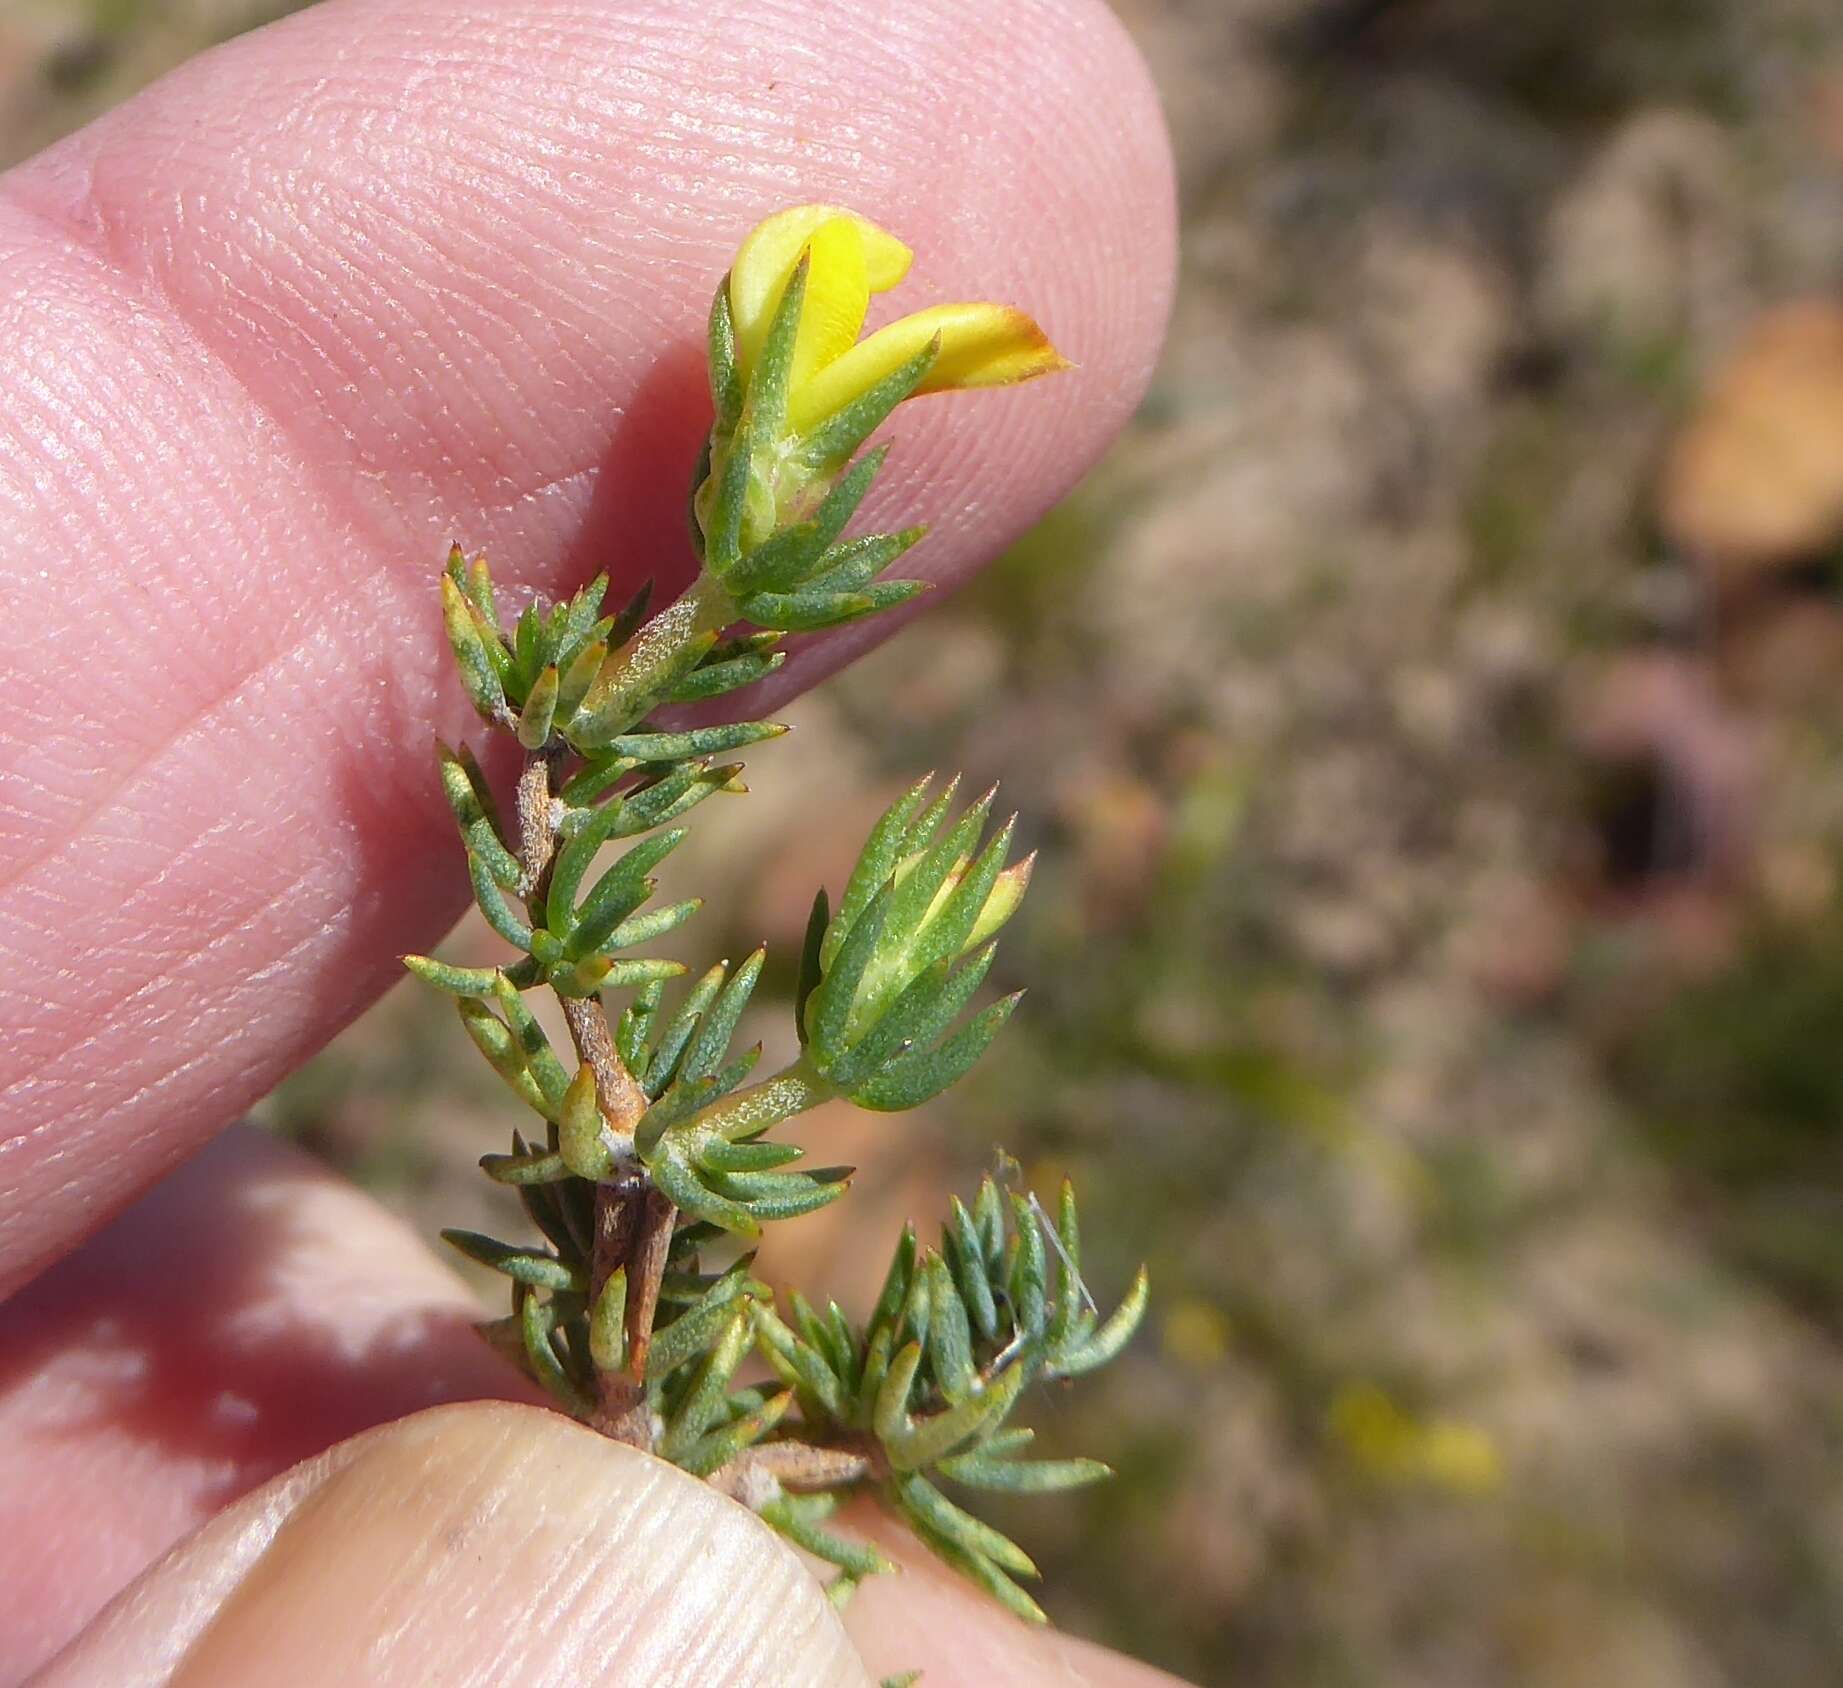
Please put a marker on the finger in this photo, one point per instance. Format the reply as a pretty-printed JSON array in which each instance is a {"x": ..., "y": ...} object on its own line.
[
  {"x": 396, "y": 271},
  {"x": 480, "y": 1544},
  {"x": 929, "y": 1619},
  {"x": 248, "y": 1312}
]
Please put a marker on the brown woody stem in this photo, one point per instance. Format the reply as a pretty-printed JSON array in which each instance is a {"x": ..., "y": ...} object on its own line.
[{"x": 633, "y": 1221}]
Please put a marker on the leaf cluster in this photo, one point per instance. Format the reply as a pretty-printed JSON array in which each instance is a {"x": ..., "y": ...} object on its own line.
[
  {"x": 929, "y": 1382},
  {"x": 654, "y": 1111},
  {"x": 771, "y": 506}
]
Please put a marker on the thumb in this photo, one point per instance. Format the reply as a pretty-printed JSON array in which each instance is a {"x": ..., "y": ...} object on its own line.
[{"x": 476, "y": 1544}]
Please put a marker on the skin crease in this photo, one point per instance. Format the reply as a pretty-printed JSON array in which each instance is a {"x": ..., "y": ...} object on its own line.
[
  {"x": 399, "y": 271},
  {"x": 389, "y": 273}
]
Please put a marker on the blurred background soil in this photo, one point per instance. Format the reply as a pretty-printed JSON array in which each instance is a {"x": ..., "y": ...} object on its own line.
[{"x": 1431, "y": 719}]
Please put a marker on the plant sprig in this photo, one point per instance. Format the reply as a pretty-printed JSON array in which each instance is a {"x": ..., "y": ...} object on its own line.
[{"x": 658, "y": 1162}]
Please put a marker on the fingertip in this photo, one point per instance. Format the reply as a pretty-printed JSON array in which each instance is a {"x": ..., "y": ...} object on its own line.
[
  {"x": 473, "y": 1545},
  {"x": 929, "y": 1619}
]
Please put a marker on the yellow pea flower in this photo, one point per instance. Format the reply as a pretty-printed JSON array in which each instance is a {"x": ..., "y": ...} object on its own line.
[
  {"x": 813, "y": 389},
  {"x": 981, "y": 345}
]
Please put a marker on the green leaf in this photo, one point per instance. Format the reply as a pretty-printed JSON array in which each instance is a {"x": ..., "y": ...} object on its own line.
[
  {"x": 662, "y": 1064},
  {"x": 829, "y": 1018},
  {"x": 1111, "y": 1337},
  {"x": 912, "y": 1323},
  {"x": 796, "y": 1517},
  {"x": 923, "y": 1503},
  {"x": 704, "y": 1401},
  {"x": 633, "y": 613},
  {"x": 853, "y": 565},
  {"x": 539, "y": 1057},
  {"x": 540, "y": 710},
  {"x": 640, "y": 675},
  {"x": 844, "y": 1349},
  {"x": 634, "y": 1026},
  {"x": 465, "y": 798},
  {"x": 917, "y": 888},
  {"x": 456, "y": 981},
  {"x": 494, "y": 906},
  {"x": 714, "y": 1451},
  {"x": 720, "y": 352},
  {"x": 719, "y": 1156},
  {"x": 947, "y": 930},
  {"x": 989, "y": 1216},
  {"x": 1070, "y": 1293},
  {"x": 1029, "y": 1272},
  {"x": 536, "y": 1322},
  {"x": 581, "y": 620},
  {"x": 545, "y": 1168},
  {"x": 527, "y": 649},
  {"x": 740, "y": 489},
  {"x": 608, "y": 1324},
  {"x": 655, "y": 923},
  {"x": 597, "y": 973},
  {"x": 873, "y": 1372},
  {"x": 913, "y": 1079},
  {"x": 676, "y": 793},
  {"x": 574, "y": 685},
  {"x": 967, "y": 1257},
  {"x": 521, "y": 1265},
  {"x": 696, "y": 741},
  {"x": 579, "y": 1129},
  {"x": 620, "y": 891},
  {"x": 794, "y": 553},
  {"x": 599, "y": 775},
  {"x": 810, "y": 974},
  {"x": 719, "y": 1024},
  {"x": 950, "y": 1335},
  {"x": 782, "y": 1195},
  {"x": 808, "y": 612},
  {"x": 574, "y": 860},
  {"x": 680, "y": 1183},
  {"x": 889, "y": 1416},
  {"x": 479, "y": 676},
  {"x": 919, "y": 1444},
  {"x": 800, "y": 1364},
  {"x": 765, "y": 405},
  {"x": 980, "y": 1470},
  {"x": 714, "y": 679},
  {"x": 841, "y": 433},
  {"x": 895, "y": 1291},
  {"x": 553, "y": 1209},
  {"x": 876, "y": 862},
  {"x": 683, "y": 1100},
  {"x": 496, "y": 1041},
  {"x": 695, "y": 1329},
  {"x": 926, "y": 1008},
  {"x": 975, "y": 1566},
  {"x": 476, "y": 580}
]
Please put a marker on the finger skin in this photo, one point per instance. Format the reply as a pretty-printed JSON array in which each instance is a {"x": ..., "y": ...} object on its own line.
[
  {"x": 928, "y": 1619},
  {"x": 472, "y": 1546},
  {"x": 399, "y": 271},
  {"x": 247, "y": 1312},
  {"x": 250, "y": 1312}
]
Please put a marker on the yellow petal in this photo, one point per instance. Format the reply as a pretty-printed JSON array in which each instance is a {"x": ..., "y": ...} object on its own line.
[
  {"x": 981, "y": 346},
  {"x": 771, "y": 249},
  {"x": 837, "y": 296}
]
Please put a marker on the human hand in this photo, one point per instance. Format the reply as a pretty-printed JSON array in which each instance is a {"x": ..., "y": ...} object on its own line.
[{"x": 391, "y": 273}]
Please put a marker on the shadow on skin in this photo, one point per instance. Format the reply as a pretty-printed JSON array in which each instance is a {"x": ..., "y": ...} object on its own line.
[{"x": 247, "y": 1312}]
